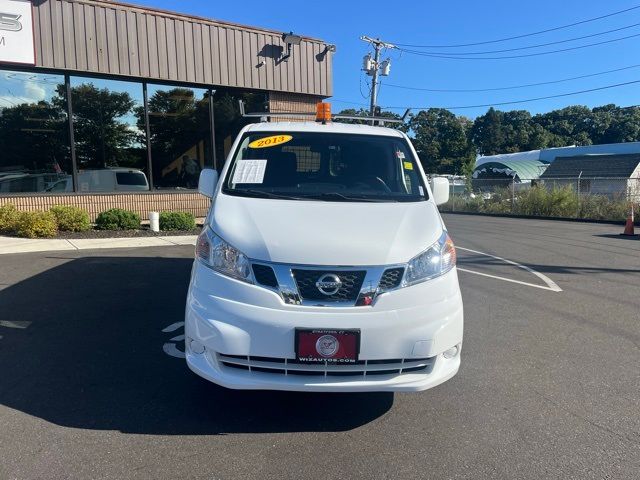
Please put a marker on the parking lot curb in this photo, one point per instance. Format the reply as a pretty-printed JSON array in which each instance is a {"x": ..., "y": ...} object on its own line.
[{"x": 11, "y": 245}]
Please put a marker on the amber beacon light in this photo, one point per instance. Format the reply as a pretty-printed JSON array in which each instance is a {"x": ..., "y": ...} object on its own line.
[{"x": 323, "y": 112}]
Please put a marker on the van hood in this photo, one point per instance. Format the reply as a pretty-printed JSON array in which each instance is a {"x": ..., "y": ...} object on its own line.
[{"x": 326, "y": 233}]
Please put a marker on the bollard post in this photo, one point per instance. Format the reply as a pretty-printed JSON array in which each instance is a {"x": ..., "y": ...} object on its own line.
[
  {"x": 578, "y": 195},
  {"x": 453, "y": 198},
  {"x": 154, "y": 221},
  {"x": 513, "y": 194}
]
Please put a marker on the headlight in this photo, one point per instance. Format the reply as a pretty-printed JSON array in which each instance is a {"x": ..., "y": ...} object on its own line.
[
  {"x": 222, "y": 257},
  {"x": 436, "y": 260}
]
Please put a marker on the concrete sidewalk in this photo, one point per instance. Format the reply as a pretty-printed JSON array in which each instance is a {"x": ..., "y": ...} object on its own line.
[{"x": 27, "y": 245}]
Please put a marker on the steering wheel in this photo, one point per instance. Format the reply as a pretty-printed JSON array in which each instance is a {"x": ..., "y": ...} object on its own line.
[
  {"x": 374, "y": 183},
  {"x": 384, "y": 186}
]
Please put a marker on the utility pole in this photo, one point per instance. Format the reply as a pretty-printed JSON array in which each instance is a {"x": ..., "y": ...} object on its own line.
[{"x": 374, "y": 67}]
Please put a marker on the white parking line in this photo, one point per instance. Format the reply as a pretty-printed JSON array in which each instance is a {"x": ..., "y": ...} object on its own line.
[
  {"x": 173, "y": 327},
  {"x": 171, "y": 348},
  {"x": 551, "y": 285},
  {"x": 14, "y": 324}
]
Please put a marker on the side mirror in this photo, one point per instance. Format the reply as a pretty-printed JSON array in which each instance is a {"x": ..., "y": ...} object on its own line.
[
  {"x": 207, "y": 182},
  {"x": 440, "y": 190}
]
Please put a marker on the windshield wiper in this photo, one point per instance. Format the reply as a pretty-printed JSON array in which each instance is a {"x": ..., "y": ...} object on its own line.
[
  {"x": 347, "y": 198},
  {"x": 263, "y": 194}
]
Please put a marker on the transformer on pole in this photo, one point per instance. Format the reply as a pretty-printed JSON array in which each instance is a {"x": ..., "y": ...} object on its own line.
[{"x": 373, "y": 67}]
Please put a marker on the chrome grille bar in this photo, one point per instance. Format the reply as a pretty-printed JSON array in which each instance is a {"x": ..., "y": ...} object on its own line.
[{"x": 289, "y": 291}]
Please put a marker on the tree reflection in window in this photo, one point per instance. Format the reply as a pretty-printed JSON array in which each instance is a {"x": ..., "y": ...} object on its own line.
[
  {"x": 33, "y": 133},
  {"x": 180, "y": 135},
  {"x": 105, "y": 125},
  {"x": 228, "y": 121}
]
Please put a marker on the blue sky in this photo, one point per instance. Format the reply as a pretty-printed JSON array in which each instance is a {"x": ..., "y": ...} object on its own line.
[{"x": 456, "y": 22}]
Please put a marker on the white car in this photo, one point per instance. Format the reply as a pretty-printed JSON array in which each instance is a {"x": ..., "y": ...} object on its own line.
[{"x": 324, "y": 265}]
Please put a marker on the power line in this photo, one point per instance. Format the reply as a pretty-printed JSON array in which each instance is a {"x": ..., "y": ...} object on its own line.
[
  {"x": 335, "y": 100},
  {"x": 348, "y": 102},
  {"x": 520, "y": 36},
  {"x": 557, "y": 42},
  {"x": 513, "y": 87},
  {"x": 423, "y": 54},
  {"x": 512, "y": 102}
]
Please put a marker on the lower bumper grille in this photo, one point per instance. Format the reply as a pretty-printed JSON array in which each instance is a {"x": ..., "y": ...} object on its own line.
[{"x": 362, "y": 368}]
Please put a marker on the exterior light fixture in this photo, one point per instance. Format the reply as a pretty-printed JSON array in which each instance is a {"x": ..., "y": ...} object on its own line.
[{"x": 290, "y": 39}]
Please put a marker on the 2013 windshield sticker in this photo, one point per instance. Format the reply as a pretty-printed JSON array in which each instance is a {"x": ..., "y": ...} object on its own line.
[
  {"x": 249, "y": 171},
  {"x": 271, "y": 141}
]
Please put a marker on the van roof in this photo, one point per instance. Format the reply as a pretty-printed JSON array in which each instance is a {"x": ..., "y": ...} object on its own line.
[{"x": 316, "y": 127}]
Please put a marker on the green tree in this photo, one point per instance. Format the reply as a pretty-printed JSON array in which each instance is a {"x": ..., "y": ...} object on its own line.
[
  {"x": 488, "y": 133},
  {"x": 572, "y": 125},
  {"x": 615, "y": 124},
  {"x": 440, "y": 138}
]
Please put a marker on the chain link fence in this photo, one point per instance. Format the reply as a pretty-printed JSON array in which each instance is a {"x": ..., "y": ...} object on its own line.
[{"x": 601, "y": 198}]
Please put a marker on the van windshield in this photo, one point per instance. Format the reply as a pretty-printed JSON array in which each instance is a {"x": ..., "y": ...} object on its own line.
[{"x": 325, "y": 166}]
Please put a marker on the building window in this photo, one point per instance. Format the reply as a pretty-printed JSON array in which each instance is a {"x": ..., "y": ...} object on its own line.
[
  {"x": 34, "y": 134},
  {"x": 109, "y": 133},
  {"x": 179, "y": 135}
]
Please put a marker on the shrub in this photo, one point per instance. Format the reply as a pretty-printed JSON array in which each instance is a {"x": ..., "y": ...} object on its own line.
[
  {"x": 8, "y": 218},
  {"x": 36, "y": 225},
  {"x": 177, "y": 221},
  {"x": 498, "y": 201},
  {"x": 71, "y": 219},
  {"x": 118, "y": 219},
  {"x": 600, "y": 207},
  {"x": 544, "y": 202}
]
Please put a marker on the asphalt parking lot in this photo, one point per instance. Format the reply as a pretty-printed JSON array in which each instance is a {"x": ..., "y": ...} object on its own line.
[{"x": 91, "y": 385}]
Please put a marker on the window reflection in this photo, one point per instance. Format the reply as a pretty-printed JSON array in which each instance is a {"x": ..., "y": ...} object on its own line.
[
  {"x": 108, "y": 140},
  {"x": 34, "y": 135},
  {"x": 228, "y": 121},
  {"x": 109, "y": 127},
  {"x": 180, "y": 135}
]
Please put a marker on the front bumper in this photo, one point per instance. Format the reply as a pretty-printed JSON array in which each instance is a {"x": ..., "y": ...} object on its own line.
[{"x": 230, "y": 317}]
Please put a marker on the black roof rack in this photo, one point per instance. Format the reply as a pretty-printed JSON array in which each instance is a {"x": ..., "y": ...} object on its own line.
[{"x": 265, "y": 116}]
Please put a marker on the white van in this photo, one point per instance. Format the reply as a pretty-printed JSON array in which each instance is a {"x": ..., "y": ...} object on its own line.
[
  {"x": 117, "y": 179},
  {"x": 324, "y": 265}
]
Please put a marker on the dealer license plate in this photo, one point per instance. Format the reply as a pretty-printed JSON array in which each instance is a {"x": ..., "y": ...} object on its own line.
[{"x": 332, "y": 346}]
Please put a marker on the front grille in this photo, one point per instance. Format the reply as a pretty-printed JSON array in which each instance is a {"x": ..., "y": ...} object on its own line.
[
  {"x": 362, "y": 368},
  {"x": 391, "y": 278},
  {"x": 348, "y": 292},
  {"x": 265, "y": 275}
]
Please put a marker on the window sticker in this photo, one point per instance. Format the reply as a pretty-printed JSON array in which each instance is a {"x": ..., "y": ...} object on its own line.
[
  {"x": 249, "y": 171},
  {"x": 408, "y": 165},
  {"x": 421, "y": 190},
  {"x": 400, "y": 154},
  {"x": 271, "y": 141}
]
